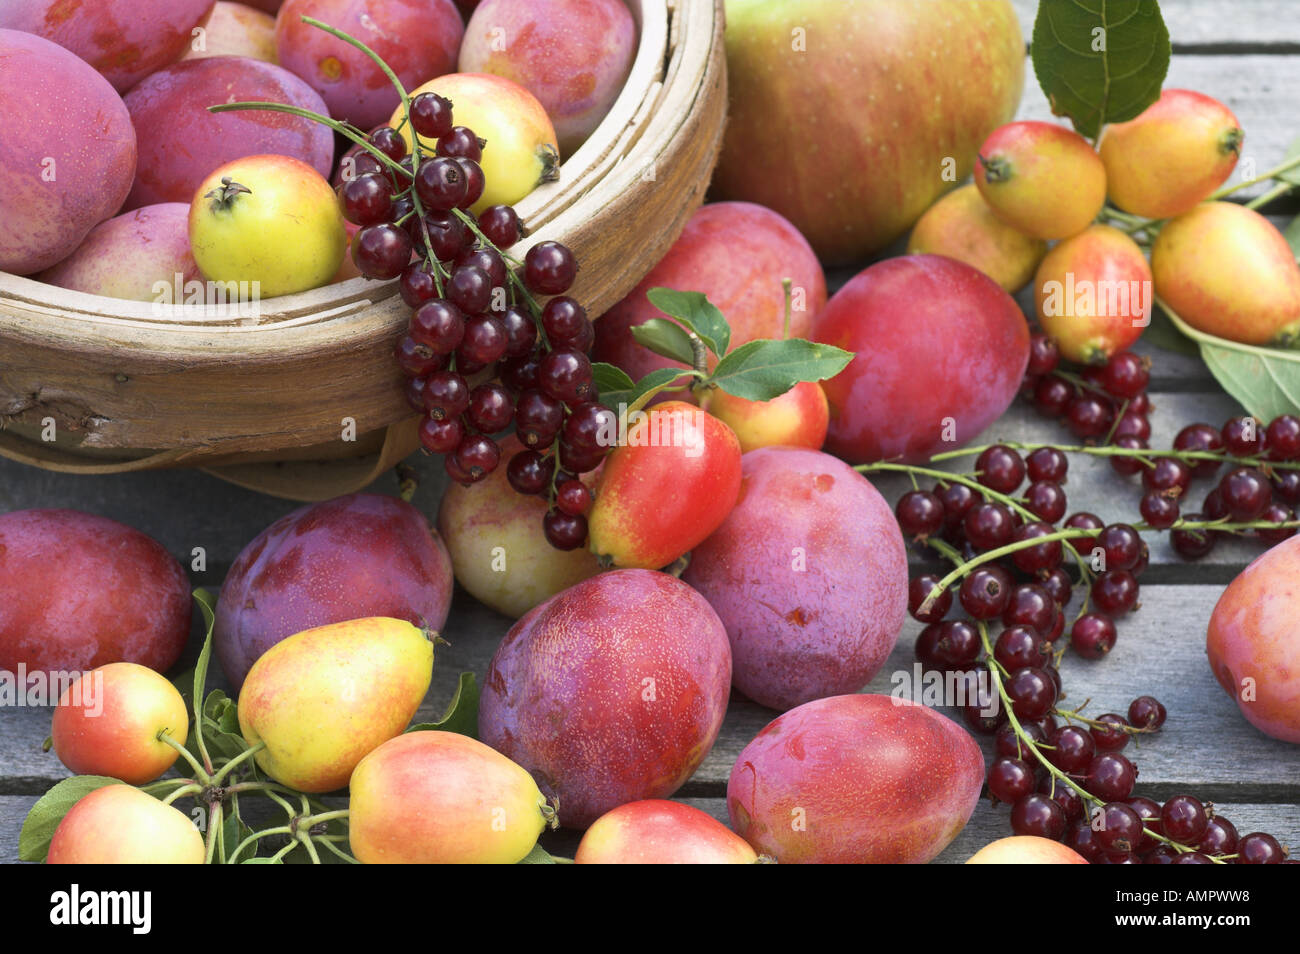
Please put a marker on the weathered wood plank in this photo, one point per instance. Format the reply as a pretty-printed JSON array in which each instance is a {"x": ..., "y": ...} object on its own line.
[{"x": 1215, "y": 24}]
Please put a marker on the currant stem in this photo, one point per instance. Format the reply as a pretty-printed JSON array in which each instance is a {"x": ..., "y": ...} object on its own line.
[
  {"x": 204, "y": 776},
  {"x": 1263, "y": 177},
  {"x": 1141, "y": 452},
  {"x": 242, "y": 756}
]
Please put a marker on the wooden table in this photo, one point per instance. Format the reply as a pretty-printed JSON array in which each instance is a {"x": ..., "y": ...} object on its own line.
[{"x": 1244, "y": 52}]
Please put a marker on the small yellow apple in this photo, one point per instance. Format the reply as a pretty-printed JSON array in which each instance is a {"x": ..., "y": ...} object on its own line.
[
  {"x": 1026, "y": 850},
  {"x": 121, "y": 825},
  {"x": 520, "y": 153},
  {"x": 273, "y": 220},
  {"x": 797, "y": 418}
]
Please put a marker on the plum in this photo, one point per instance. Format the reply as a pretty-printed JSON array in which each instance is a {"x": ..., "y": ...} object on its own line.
[
  {"x": 808, "y": 574},
  {"x": 857, "y": 779},
  {"x": 181, "y": 142},
  {"x": 125, "y": 40},
  {"x": 610, "y": 692},
  {"x": 497, "y": 547},
  {"x": 418, "y": 39},
  {"x": 125, "y": 256},
  {"x": 941, "y": 351},
  {"x": 736, "y": 253},
  {"x": 1253, "y": 645},
  {"x": 79, "y": 591},
  {"x": 235, "y": 29},
  {"x": 573, "y": 55},
  {"x": 67, "y": 156},
  {"x": 355, "y": 556}
]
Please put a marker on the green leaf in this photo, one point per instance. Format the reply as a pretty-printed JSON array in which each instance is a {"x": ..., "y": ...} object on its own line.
[
  {"x": 221, "y": 730},
  {"x": 1291, "y": 175},
  {"x": 767, "y": 368},
  {"x": 38, "y": 827},
  {"x": 1265, "y": 381},
  {"x": 462, "y": 713},
  {"x": 657, "y": 380},
  {"x": 1099, "y": 61},
  {"x": 1292, "y": 235},
  {"x": 208, "y": 605},
  {"x": 666, "y": 338},
  {"x": 697, "y": 313},
  {"x": 607, "y": 377},
  {"x": 540, "y": 856}
]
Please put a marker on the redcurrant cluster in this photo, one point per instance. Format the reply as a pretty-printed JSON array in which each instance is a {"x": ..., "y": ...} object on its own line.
[
  {"x": 480, "y": 352},
  {"x": 1099, "y": 403}
]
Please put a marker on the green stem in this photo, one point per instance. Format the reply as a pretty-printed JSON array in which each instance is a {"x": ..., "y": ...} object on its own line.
[
  {"x": 305, "y": 839},
  {"x": 1271, "y": 174},
  {"x": 1279, "y": 190},
  {"x": 379, "y": 60},
  {"x": 1141, "y": 452},
  {"x": 786, "y": 286},
  {"x": 284, "y": 851},
  {"x": 214, "y": 829},
  {"x": 191, "y": 789},
  {"x": 257, "y": 836},
  {"x": 203, "y": 774},
  {"x": 242, "y": 756},
  {"x": 329, "y": 844},
  {"x": 306, "y": 821}
]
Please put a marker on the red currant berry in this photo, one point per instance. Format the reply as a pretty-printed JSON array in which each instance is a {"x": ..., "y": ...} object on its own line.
[
  {"x": 485, "y": 340},
  {"x": 1051, "y": 396},
  {"x": 1110, "y": 777},
  {"x": 1258, "y": 848},
  {"x": 1044, "y": 356},
  {"x": 1283, "y": 437},
  {"x": 1059, "y": 585},
  {"x": 549, "y": 268},
  {"x": 538, "y": 418},
  {"x": 1245, "y": 493},
  {"x": 1110, "y": 732},
  {"x": 1037, "y": 814},
  {"x": 565, "y": 373},
  {"x": 529, "y": 472},
  {"x": 1000, "y": 469},
  {"x": 1192, "y": 544},
  {"x": 988, "y": 526},
  {"x": 1115, "y": 592},
  {"x": 918, "y": 589},
  {"x": 500, "y": 225},
  {"x": 367, "y": 199},
  {"x": 381, "y": 251},
  {"x": 1048, "y": 464},
  {"x": 1146, "y": 712},
  {"x": 446, "y": 395},
  {"x": 440, "y": 184},
  {"x": 1036, "y": 559},
  {"x": 564, "y": 531},
  {"x": 1031, "y": 605},
  {"x": 1089, "y": 416},
  {"x": 1119, "y": 829},
  {"x": 1159, "y": 511},
  {"x": 1092, "y": 635},
  {"x": 1126, "y": 375},
  {"x": 490, "y": 408},
  {"x": 475, "y": 182},
  {"x": 920, "y": 514},
  {"x": 1073, "y": 749},
  {"x": 573, "y": 498},
  {"x": 1046, "y": 500},
  {"x": 441, "y": 437},
  {"x": 1126, "y": 465},
  {"x": 415, "y": 359},
  {"x": 1010, "y": 779},
  {"x": 985, "y": 592},
  {"x": 1204, "y": 439},
  {"x": 1277, "y": 514},
  {"x": 431, "y": 115},
  {"x": 1244, "y": 436},
  {"x": 1032, "y": 693},
  {"x": 1184, "y": 819},
  {"x": 460, "y": 141}
]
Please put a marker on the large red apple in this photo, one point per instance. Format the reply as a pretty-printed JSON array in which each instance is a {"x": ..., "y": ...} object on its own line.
[
  {"x": 851, "y": 118},
  {"x": 737, "y": 254},
  {"x": 941, "y": 350}
]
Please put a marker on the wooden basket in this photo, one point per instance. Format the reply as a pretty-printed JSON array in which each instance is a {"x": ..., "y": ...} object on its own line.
[{"x": 305, "y": 401}]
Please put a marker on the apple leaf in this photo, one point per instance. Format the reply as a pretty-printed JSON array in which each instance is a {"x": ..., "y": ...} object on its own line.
[
  {"x": 540, "y": 856},
  {"x": 1265, "y": 381},
  {"x": 462, "y": 712},
  {"x": 608, "y": 377},
  {"x": 38, "y": 828},
  {"x": 665, "y": 338},
  {"x": 1291, "y": 175},
  {"x": 768, "y": 367},
  {"x": 1099, "y": 61},
  {"x": 1162, "y": 333},
  {"x": 654, "y": 382},
  {"x": 1292, "y": 234},
  {"x": 697, "y": 314}
]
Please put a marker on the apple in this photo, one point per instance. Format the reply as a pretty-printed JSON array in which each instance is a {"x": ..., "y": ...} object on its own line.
[
  {"x": 113, "y": 594},
  {"x": 797, "y": 418},
  {"x": 323, "y": 699},
  {"x": 857, "y": 779},
  {"x": 849, "y": 119},
  {"x": 521, "y": 150},
  {"x": 125, "y": 40},
  {"x": 109, "y": 720},
  {"x": 962, "y": 226},
  {"x": 941, "y": 351},
  {"x": 573, "y": 55},
  {"x": 127, "y": 256},
  {"x": 67, "y": 157},
  {"x": 416, "y": 38},
  {"x": 498, "y": 551},
  {"x": 1026, "y": 850},
  {"x": 1252, "y": 644},
  {"x": 659, "y": 832},
  {"x": 121, "y": 825},
  {"x": 269, "y": 220},
  {"x": 737, "y": 254},
  {"x": 235, "y": 29}
]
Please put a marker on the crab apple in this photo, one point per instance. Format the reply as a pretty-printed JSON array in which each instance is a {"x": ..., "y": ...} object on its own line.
[
  {"x": 108, "y": 723},
  {"x": 857, "y": 779},
  {"x": 520, "y": 153},
  {"x": 67, "y": 155},
  {"x": 809, "y": 576},
  {"x": 416, "y": 38},
  {"x": 128, "y": 255},
  {"x": 1172, "y": 156},
  {"x": 1026, "y": 850},
  {"x": 1041, "y": 178},
  {"x": 354, "y": 556},
  {"x": 1093, "y": 294},
  {"x": 235, "y": 29},
  {"x": 736, "y": 253},
  {"x": 1252, "y": 644},
  {"x": 498, "y": 550},
  {"x": 610, "y": 692},
  {"x": 914, "y": 89},
  {"x": 121, "y": 825},
  {"x": 1226, "y": 270},
  {"x": 573, "y": 55},
  {"x": 797, "y": 418},
  {"x": 112, "y": 595},
  {"x": 125, "y": 40},
  {"x": 442, "y": 798},
  {"x": 181, "y": 142},
  {"x": 659, "y": 832},
  {"x": 962, "y": 226},
  {"x": 941, "y": 351},
  {"x": 666, "y": 489}
]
